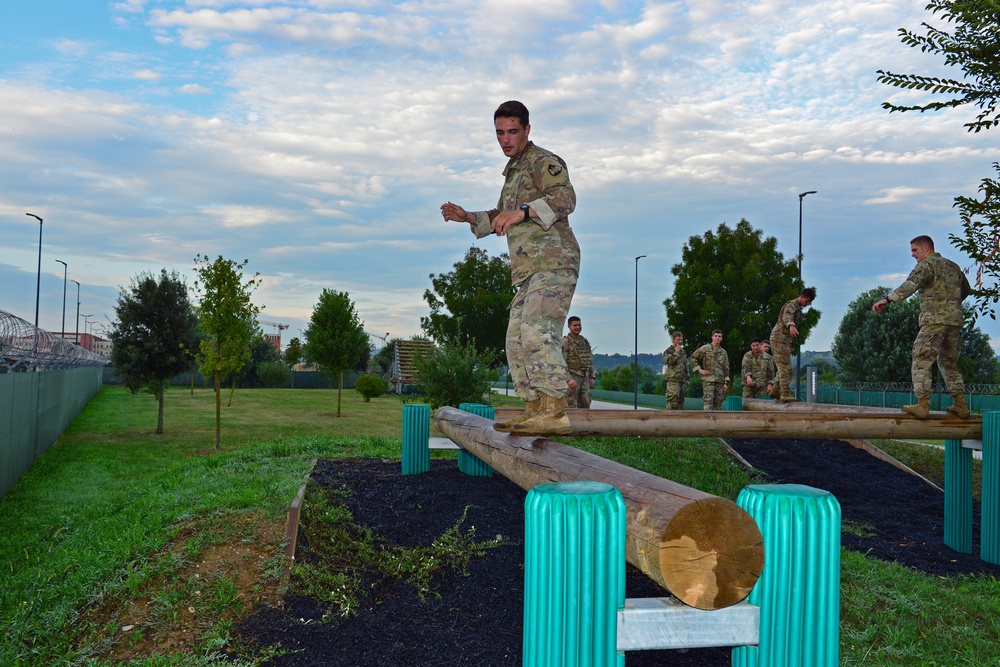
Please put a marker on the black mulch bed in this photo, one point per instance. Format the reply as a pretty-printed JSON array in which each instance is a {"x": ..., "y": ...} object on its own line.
[{"x": 476, "y": 620}]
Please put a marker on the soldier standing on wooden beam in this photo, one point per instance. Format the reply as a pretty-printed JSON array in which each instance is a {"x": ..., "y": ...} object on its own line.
[
  {"x": 533, "y": 213},
  {"x": 943, "y": 286},
  {"x": 783, "y": 336}
]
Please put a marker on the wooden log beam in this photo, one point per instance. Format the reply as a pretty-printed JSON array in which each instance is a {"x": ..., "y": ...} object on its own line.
[
  {"x": 831, "y": 424},
  {"x": 705, "y": 550},
  {"x": 760, "y": 405}
]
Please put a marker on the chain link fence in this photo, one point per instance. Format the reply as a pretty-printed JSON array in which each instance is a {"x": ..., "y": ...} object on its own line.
[{"x": 24, "y": 348}]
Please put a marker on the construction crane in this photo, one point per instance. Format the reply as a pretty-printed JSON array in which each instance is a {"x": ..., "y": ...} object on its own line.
[{"x": 274, "y": 324}]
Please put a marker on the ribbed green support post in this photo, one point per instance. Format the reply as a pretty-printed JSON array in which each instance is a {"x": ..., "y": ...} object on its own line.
[
  {"x": 416, "y": 439},
  {"x": 468, "y": 463},
  {"x": 799, "y": 590},
  {"x": 957, "y": 496},
  {"x": 733, "y": 404},
  {"x": 574, "y": 575},
  {"x": 989, "y": 538}
]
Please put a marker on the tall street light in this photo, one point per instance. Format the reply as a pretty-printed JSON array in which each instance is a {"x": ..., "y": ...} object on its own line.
[
  {"x": 38, "y": 285},
  {"x": 85, "y": 318},
  {"x": 798, "y": 351},
  {"x": 62, "y": 332},
  {"x": 77, "y": 341},
  {"x": 635, "y": 360}
]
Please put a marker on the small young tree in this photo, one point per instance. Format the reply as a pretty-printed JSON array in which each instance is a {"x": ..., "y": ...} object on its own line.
[
  {"x": 293, "y": 352},
  {"x": 336, "y": 338},
  {"x": 154, "y": 332},
  {"x": 371, "y": 386},
  {"x": 228, "y": 317},
  {"x": 454, "y": 373}
]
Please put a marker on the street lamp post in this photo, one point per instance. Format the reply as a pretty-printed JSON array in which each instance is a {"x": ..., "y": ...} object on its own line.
[
  {"x": 635, "y": 354},
  {"x": 38, "y": 284},
  {"x": 798, "y": 350},
  {"x": 77, "y": 341},
  {"x": 62, "y": 332},
  {"x": 85, "y": 318}
]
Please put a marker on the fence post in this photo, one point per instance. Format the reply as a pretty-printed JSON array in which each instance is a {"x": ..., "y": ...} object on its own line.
[
  {"x": 989, "y": 538},
  {"x": 957, "y": 496},
  {"x": 799, "y": 590},
  {"x": 574, "y": 575},
  {"x": 416, "y": 453},
  {"x": 469, "y": 463}
]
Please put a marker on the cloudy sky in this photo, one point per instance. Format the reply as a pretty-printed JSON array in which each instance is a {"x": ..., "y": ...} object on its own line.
[{"x": 317, "y": 138}]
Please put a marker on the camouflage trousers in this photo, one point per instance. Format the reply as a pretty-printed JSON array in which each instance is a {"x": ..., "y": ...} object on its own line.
[
  {"x": 755, "y": 391},
  {"x": 579, "y": 397},
  {"x": 534, "y": 334},
  {"x": 941, "y": 343},
  {"x": 675, "y": 395},
  {"x": 781, "y": 350},
  {"x": 713, "y": 395}
]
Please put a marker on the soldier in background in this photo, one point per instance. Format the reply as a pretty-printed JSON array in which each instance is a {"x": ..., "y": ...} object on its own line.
[
  {"x": 712, "y": 362},
  {"x": 533, "y": 213},
  {"x": 756, "y": 371},
  {"x": 675, "y": 371},
  {"x": 943, "y": 286},
  {"x": 579, "y": 358},
  {"x": 783, "y": 336}
]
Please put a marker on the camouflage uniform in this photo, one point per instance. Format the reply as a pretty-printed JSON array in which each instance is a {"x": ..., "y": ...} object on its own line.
[
  {"x": 715, "y": 361},
  {"x": 676, "y": 376},
  {"x": 544, "y": 265},
  {"x": 580, "y": 366},
  {"x": 757, "y": 366},
  {"x": 782, "y": 342},
  {"x": 772, "y": 368},
  {"x": 942, "y": 286}
]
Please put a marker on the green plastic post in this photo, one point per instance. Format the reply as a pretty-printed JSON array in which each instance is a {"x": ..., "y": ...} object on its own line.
[
  {"x": 733, "y": 404},
  {"x": 469, "y": 463},
  {"x": 989, "y": 538},
  {"x": 574, "y": 575},
  {"x": 957, "y": 496},
  {"x": 799, "y": 590},
  {"x": 416, "y": 439}
]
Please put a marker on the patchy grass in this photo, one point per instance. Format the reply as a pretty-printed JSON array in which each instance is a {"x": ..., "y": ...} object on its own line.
[{"x": 929, "y": 462}]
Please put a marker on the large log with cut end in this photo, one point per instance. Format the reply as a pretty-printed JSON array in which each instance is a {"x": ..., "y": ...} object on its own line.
[
  {"x": 830, "y": 424},
  {"x": 705, "y": 550}
]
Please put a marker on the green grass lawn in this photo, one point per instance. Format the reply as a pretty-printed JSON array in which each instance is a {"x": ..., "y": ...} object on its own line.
[{"x": 123, "y": 547}]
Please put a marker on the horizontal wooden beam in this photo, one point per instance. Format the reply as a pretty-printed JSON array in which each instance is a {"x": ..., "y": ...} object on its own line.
[
  {"x": 832, "y": 423},
  {"x": 705, "y": 550}
]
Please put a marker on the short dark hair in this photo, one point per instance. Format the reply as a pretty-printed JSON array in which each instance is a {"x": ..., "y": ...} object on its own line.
[
  {"x": 924, "y": 240},
  {"x": 572, "y": 318},
  {"x": 755, "y": 339},
  {"x": 512, "y": 109},
  {"x": 716, "y": 331},
  {"x": 809, "y": 293},
  {"x": 676, "y": 334}
]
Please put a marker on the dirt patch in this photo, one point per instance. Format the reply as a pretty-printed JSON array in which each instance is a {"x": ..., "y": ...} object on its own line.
[{"x": 475, "y": 620}]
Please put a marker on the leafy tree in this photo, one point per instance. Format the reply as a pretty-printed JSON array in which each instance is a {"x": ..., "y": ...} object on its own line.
[
  {"x": 973, "y": 45},
  {"x": 336, "y": 338},
  {"x": 469, "y": 305},
  {"x": 293, "y": 352},
  {"x": 261, "y": 352},
  {"x": 878, "y": 348},
  {"x": 454, "y": 373},
  {"x": 154, "y": 332},
  {"x": 273, "y": 374},
  {"x": 371, "y": 386},
  {"x": 737, "y": 281},
  {"x": 228, "y": 317},
  {"x": 384, "y": 356}
]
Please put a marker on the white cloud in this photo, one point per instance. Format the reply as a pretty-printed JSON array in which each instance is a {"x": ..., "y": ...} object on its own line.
[{"x": 194, "y": 89}]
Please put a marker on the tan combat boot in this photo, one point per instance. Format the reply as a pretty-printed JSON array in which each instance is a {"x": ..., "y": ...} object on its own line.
[
  {"x": 921, "y": 409},
  {"x": 551, "y": 419},
  {"x": 530, "y": 410},
  {"x": 775, "y": 391},
  {"x": 786, "y": 397},
  {"x": 959, "y": 408}
]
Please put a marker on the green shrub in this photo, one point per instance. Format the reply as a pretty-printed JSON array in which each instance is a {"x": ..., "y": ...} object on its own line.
[
  {"x": 452, "y": 374},
  {"x": 273, "y": 374},
  {"x": 371, "y": 386}
]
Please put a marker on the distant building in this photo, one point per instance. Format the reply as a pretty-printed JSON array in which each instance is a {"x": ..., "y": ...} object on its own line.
[{"x": 275, "y": 341}]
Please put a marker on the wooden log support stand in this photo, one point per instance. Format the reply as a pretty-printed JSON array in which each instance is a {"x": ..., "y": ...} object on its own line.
[{"x": 705, "y": 550}]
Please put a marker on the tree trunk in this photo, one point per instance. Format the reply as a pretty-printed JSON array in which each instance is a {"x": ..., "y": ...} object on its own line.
[
  {"x": 705, "y": 550},
  {"x": 218, "y": 411},
  {"x": 159, "y": 412},
  {"x": 231, "y": 392}
]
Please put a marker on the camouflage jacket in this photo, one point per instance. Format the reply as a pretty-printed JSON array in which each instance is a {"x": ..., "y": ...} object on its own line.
[
  {"x": 757, "y": 366},
  {"x": 715, "y": 360},
  {"x": 540, "y": 179},
  {"x": 942, "y": 286},
  {"x": 578, "y": 355},
  {"x": 677, "y": 364},
  {"x": 790, "y": 314}
]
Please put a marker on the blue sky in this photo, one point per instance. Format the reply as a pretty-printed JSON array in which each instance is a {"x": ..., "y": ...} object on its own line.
[{"x": 317, "y": 139}]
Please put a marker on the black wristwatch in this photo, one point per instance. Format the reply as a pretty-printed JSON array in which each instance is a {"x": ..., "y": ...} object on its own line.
[{"x": 525, "y": 208}]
